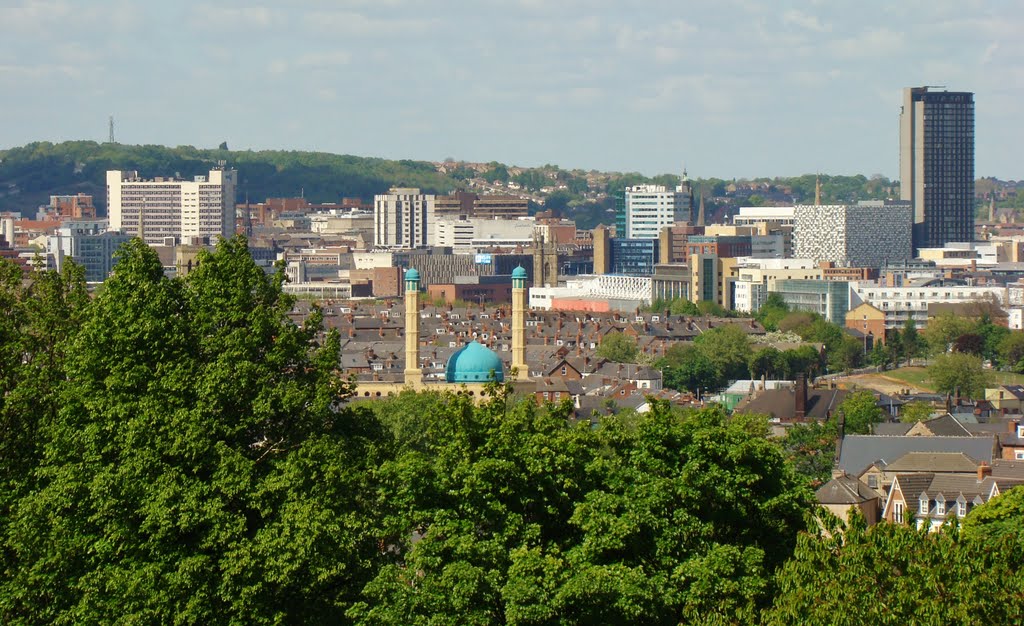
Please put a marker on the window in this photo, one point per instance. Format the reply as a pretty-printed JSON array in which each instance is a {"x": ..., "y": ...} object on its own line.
[
  {"x": 1018, "y": 455},
  {"x": 897, "y": 512},
  {"x": 923, "y": 505},
  {"x": 564, "y": 370},
  {"x": 940, "y": 506},
  {"x": 961, "y": 508},
  {"x": 873, "y": 481}
]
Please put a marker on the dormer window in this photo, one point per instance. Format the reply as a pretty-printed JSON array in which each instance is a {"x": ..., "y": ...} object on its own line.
[
  {"x": 923, "y": 505},
  {"x": 940, "y": 506},
  {"x": 961, "y": 508}
]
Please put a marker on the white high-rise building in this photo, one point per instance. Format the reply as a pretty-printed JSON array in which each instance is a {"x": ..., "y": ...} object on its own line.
[
  {"x": 165, "y": 207},
  {"x": 649, "y": 209},
  {"x": 403, "y": 218}
]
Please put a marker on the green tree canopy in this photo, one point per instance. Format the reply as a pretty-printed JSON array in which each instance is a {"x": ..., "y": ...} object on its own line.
[
  {"x": 686, "y": 367},
  {"x": 773, "y": 311},
  {"x": 199, "y": 468},
  {"x": 1011, "y": 351},
  {"x": 861, "y": 411},
  {"x": 915, "y": 577},
  {"x": 916, "y": 411},
  {"x": 943, "y": 330},
  {"x": 958, "y": 371},
  {"x": 619, "y": 347},
  {"x": 728, "y": 347}
]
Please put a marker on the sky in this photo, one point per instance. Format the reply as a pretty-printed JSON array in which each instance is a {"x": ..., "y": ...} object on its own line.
[{"x": 728, "y": 88}]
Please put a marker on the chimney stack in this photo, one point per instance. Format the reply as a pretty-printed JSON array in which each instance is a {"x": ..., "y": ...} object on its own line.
[
  {"x": 984, "y": 470},
  {"x": 800, "y": 410}
]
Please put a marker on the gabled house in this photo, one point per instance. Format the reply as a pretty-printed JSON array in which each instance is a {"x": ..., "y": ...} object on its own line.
[
  {"x": 1006, "y": 398},
  {"x": 930, "y": 500},
  {"x": 797, "y": 404},
  {"x": 1011, "y": 442},
  {"x": 845, "y": 492}
]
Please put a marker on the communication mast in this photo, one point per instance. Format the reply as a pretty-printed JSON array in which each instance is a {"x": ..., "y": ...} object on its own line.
[{"x": 110, "y": 138}]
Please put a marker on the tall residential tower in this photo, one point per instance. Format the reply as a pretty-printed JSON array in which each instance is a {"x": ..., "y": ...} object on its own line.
[
  {"x": 164, "y": 207},
  {"x": 937, "y": 164}
]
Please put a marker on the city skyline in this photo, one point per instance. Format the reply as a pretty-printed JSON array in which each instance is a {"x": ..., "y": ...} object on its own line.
[{"x": 732, "y": 90}]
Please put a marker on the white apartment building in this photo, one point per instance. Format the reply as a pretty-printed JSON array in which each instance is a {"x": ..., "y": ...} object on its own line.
[
  {"x": 468, "y": 235},
  {"x": 403, "y": 218},
  {"x": 649, "y": 208},
  {"x": 164, "y": 207},
  {"x": 911, "y": 301}
]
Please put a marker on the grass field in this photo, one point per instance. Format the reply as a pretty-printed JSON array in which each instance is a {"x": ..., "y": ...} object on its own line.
[{"x": 918, "y": 377}]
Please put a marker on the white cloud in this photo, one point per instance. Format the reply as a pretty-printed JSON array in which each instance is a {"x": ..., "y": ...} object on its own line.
[
  {"x": 871, "y": 43},
  {"x": 331, "y": 58},
  {"x": 990, "y": 52},
  {"x": 359, "y": 24},
  {"x": 217, "y": 17},
  {"x": 803, "y": 20}
]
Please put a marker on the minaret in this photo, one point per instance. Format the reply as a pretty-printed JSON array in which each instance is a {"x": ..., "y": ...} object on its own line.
[
  {"x": 817, "y": 190},
  {"x": 522, "y": 371},
  {"x": 413, "y": 373},
  {"x": 700, "y": 210}
]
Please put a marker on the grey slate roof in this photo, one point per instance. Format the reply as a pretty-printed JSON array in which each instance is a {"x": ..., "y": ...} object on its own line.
[
  {"x": 891, "y": 429},
  {"x": 947, "y": 426},
  {"x": 845, "y": 489},
  {"x": 933, "y": 462},
  {"x": 860, "y": 451},
  {"x": 1008, "y": 469}
]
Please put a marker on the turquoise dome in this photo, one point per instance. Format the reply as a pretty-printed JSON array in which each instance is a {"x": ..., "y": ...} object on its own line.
[
  {"x": 519, "y": 272},
  {"x": 412, "y": 274},
  {"x": 473, "y": 363}
]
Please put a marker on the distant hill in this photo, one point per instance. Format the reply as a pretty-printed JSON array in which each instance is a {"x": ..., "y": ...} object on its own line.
[{"x": 31, "y": 173}]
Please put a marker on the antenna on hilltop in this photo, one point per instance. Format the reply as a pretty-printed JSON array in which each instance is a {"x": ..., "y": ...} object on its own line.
[{"x": 110, "y": 139}]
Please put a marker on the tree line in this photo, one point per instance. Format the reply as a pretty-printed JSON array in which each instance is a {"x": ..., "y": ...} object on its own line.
[{"x": 179, "y": 451}]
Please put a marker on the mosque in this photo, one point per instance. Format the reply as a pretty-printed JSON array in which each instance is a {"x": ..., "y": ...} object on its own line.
[{"x": 471, "y": 367}]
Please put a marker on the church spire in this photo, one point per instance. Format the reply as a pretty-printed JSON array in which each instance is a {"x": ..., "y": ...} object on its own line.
[{"x": 700, "y": 211}]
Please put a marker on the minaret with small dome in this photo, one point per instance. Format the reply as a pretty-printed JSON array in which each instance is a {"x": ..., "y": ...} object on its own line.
[
  {"x": 519, "y": 367},
  {"x": 413, "y": 373}
]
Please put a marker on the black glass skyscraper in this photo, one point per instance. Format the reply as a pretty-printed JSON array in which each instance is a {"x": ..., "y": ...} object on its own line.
[{"x": 937, "y": 164}]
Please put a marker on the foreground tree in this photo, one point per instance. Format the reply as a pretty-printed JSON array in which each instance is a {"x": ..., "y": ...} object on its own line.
[
  {"x": 811, "y": 449},
  {"x": 915, "y": 577},
  {"x": 199, "y": 468},
  {"x": 507, "y": 514}
]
